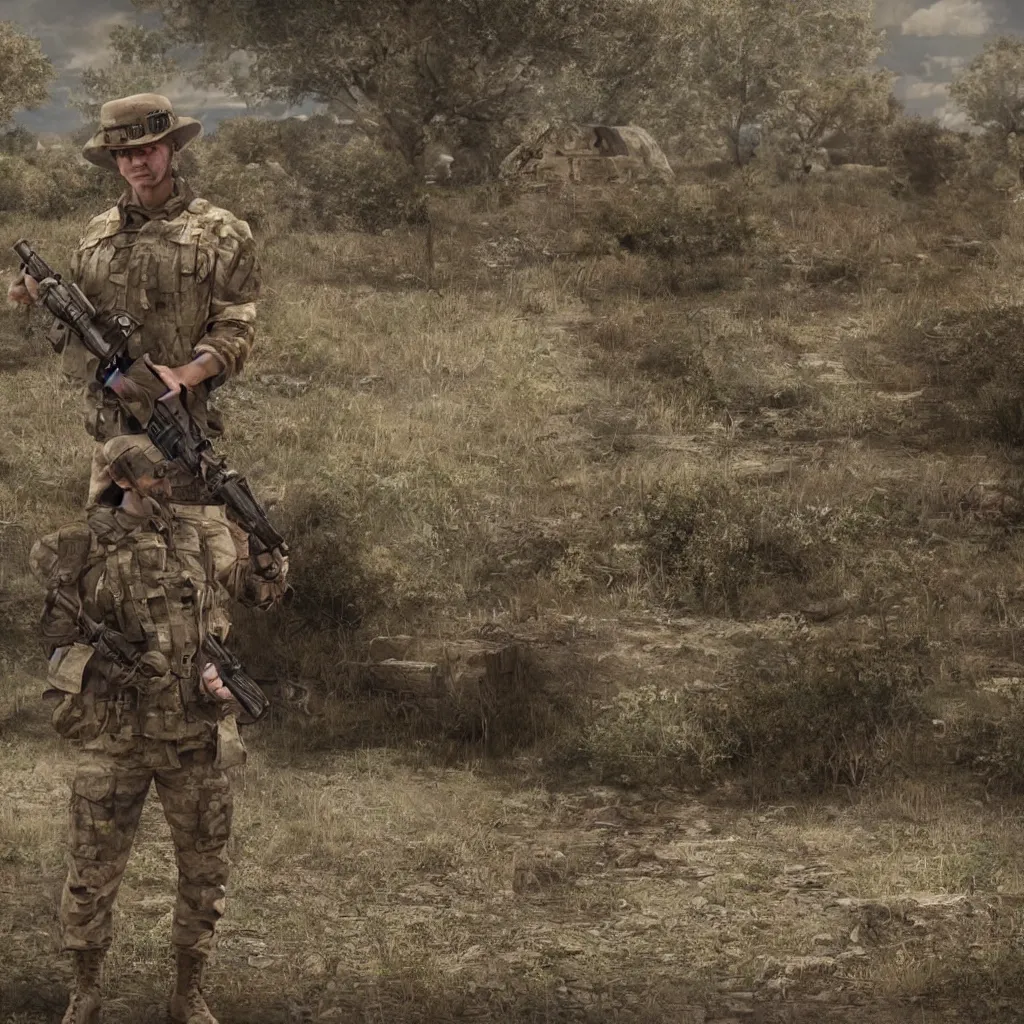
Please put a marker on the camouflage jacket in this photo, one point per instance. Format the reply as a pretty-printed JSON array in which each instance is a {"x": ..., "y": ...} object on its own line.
[
  {"x": 163, "y": 584},
  {"x": 188, "y": 272}
]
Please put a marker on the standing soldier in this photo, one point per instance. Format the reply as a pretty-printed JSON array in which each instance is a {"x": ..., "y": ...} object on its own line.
[
  {"x": 185, "y": 269},
  {"x": 159, "y": 577}
]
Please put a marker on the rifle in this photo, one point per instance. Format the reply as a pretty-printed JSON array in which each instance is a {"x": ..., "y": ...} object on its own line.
[
  {"x": 170, "y": 426},
  {"x": 116, "y": 647},
  {"x": 243, "y": 687}
]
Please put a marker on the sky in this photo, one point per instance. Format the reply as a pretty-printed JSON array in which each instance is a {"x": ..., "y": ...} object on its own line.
[{"x": 927, "y": 43}]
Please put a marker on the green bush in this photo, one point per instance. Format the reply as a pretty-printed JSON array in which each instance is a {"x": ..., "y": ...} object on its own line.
[
  {"x": 667, "y": 223},
  {"x": 817, "y": 713},
  {"x": 974, "y": 359},
  {"x": 923, "y": 155},
  {"x": 258, "y": 139},
  {"x": 251, "y": 193},
  {"x": 360, "y": 186},
  {"x": 712, "y": 544},
  {"x": 54, "y": 183},
  {"x": 17, "y": 141},
  {"x": 803, "y": 715},
  {"x": 993, "y": 744},
  {"x": 645, "y": 736}
]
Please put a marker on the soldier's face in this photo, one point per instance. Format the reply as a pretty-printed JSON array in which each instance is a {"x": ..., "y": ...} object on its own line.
[{"x": 145, "y": 166}]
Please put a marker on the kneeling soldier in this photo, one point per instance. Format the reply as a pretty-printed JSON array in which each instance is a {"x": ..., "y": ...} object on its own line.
[{"x": 160, "y": 576}]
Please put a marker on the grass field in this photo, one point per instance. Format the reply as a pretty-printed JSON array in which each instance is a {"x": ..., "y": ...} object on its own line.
[{"x": 739, "y": 471}]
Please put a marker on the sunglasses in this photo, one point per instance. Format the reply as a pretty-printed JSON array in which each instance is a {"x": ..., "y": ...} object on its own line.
[{"x": 156, "y": 122}]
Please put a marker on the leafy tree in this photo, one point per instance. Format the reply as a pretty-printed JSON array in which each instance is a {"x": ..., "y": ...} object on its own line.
[
  {"x": 25, "y": 72},
  {"x": 990, "y": 90},
  {"x": 140, "y": 62},
  {"x": 799, "y": 65},
  {"x": 402, "y": 68}
]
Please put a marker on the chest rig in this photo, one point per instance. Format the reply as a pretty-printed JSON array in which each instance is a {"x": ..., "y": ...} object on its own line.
[
  {"x": 160, "y": 271},
  {"x": 157, "y": 585}
]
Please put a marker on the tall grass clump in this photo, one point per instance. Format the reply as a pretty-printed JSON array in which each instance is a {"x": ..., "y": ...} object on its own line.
[
  {"x": 718, "y": 546},
  {"x": 804, "y": 715}
]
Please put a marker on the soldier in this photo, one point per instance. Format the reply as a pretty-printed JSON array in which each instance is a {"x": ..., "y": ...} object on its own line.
[
  {"x": 161, "y": 578},
  {"x": 187, "y": 270}
]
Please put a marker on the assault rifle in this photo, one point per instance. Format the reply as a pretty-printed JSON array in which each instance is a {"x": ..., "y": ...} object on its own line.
[
  {"x": 169, "y": 426},
  {"x": 117, "y": 648}
]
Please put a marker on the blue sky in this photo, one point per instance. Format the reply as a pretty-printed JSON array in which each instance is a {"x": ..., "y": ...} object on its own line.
[{"x": 927, "y": 43}]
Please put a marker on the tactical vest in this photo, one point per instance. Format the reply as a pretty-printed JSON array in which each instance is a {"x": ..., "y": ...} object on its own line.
[
  {"x": 158, "y": 588},
  {"x": 162, "y": 272}
]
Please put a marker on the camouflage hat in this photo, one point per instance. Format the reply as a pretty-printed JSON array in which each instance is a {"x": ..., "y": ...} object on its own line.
[
  {"x": 133, "y": 456},
  {"x": 138, "y": 120}
]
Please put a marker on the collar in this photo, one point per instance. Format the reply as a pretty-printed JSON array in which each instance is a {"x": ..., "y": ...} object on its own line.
[{"x": 134, "y": 214}]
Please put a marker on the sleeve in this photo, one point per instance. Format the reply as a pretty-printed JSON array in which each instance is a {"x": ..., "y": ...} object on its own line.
[
  {"x": 232, "y": 567},
  {"x": 231, "y": 327}
]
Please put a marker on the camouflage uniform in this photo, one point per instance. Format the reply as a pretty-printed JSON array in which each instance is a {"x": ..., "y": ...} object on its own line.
[
  {"x": 162, "y": 581},
  {"x": 189, "y": 273}
]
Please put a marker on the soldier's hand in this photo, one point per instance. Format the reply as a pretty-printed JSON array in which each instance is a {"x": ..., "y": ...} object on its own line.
[
  {"x": 211, "y": 682},
  {"x": 270, "y": 566},
  {"x": 24, "y": 291}
]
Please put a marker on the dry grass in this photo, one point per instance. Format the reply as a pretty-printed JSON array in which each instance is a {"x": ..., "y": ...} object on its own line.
[{"x": 496, "y": 451}]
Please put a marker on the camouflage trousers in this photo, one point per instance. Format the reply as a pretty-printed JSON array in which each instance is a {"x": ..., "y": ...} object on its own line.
[{"x": 107, "y": 796}]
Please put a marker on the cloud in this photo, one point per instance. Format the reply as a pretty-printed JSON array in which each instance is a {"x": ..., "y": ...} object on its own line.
[
  {"x": 932, "y": 66},
  {"x": 949, "y": 18},
  {"x": 891, "y": 13},
  {"x": 927, "y": 90},
  {"x": 188, "y": 99},
  {"x": 91, "y": 46},
  {"x": 952, "y": 117}
]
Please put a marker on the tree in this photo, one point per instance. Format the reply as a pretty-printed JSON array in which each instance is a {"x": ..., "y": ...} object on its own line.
[
  {"x": 799, "y": 65},
  {"x": 25, "y": 72},
  {"x": 402, "y": 68},
  {"x": 141, "y": 62},
  {"x": 990, "y": 90}
]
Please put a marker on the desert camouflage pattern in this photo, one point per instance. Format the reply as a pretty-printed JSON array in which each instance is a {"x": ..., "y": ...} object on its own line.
[
  {"x": 107, "y": 797},
  {"x": 162, "y": 581},
  {"x": 188, "y": 272}
]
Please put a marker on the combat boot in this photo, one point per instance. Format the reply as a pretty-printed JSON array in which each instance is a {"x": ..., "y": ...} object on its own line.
[
  {"x": 187, "y": 1003},
  {"x": 84, "y": 1006}
]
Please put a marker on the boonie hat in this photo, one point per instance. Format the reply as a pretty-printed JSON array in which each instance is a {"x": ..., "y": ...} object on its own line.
[{"x": 138, "y": 120}]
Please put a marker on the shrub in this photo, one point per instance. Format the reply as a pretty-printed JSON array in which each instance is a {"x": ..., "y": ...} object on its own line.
[
  {"x": 974, "y": 358},
  {"x": 816, "y": 713},
  {"x": 258, "y": 139},
  {"x": 923, "y": 155},
  {"x": 251, "y": 193},
  {"x": 362, "y": 186},
  {"x": 54, "y": 183},
  {"x": 993, "y": 745},
  {"x": 645, "y": 736},
  {"x": 713, "y": 544},
  {"x": 807, "y": 714},
  {"x": 17, "y": 141},
  {"x": 671, "y": 224}
]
